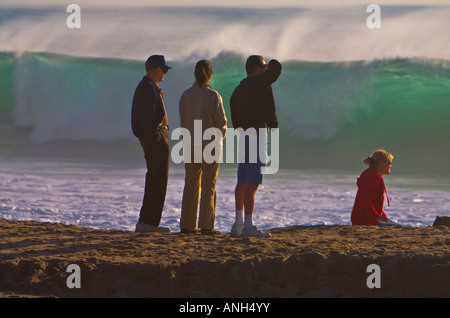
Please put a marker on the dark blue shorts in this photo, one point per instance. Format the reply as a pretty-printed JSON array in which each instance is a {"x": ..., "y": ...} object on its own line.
[{"x": 250, "y": 171}]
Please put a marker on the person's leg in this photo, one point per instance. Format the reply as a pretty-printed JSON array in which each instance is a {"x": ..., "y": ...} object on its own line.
[
  {"x": 249, "y": 203},
  {"x": 191, "y": 195},
  {"x": 254, "y": 180},
  {"x": 208, "y": 199},
  {"x": 161, "y": 180},
  {"x": 239, "y": 196},
  {"x": 238, "y": 225},
  {"x": 157, "y": 161},
  {"x": 147, "y": 186},
  {"x": 239, "y": 193}
]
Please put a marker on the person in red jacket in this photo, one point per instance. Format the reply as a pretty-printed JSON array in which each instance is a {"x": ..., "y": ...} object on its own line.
[{"x": 369, "y": 201}]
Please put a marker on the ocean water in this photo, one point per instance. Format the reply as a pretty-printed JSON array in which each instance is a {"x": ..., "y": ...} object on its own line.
[
  {"x": 67, "y": 153},
  {"x": 109, "y": 196}
]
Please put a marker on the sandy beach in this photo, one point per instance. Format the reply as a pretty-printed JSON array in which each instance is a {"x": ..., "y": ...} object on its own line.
[{"x": 299, "y": 261}]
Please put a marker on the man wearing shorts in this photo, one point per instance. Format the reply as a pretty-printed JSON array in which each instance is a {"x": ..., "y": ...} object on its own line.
[{"x": 253, "y": 109}]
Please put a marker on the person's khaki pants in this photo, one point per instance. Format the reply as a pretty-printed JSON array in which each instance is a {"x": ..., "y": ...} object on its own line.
[{"x": 201, "y": 179}]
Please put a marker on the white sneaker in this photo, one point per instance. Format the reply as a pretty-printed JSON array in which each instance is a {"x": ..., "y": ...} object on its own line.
[
  {"x": 254, "y": 232},
  {"x": 236, "y": 230},
  {"x": 146, "y": 228}
]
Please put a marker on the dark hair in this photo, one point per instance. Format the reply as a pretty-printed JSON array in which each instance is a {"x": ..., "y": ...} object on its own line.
[
  {"x": 203, "y": 69},
  {"x": 253, "y": 62}
]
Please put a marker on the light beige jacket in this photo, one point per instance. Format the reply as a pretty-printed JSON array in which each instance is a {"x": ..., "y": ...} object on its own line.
[{"x": 203, "y": 104}]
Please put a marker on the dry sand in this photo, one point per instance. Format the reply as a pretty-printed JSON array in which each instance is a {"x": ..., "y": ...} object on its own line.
[{"x": 299, "y": 261}]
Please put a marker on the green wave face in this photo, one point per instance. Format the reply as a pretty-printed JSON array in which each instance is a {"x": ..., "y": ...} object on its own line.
[
  {"x": 399, "y": 105},
  {"x": 6, "y": 97},
  {"x": 331, "y": 114}
]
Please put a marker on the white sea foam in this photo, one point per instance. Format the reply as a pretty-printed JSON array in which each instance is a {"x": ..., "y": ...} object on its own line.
[
  {"x": 110, "y": 197},
  {"x": 334, "y": 33}
]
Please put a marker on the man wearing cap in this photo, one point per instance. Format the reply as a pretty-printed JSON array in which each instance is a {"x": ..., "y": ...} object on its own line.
[{"x": 150, "y": 125}]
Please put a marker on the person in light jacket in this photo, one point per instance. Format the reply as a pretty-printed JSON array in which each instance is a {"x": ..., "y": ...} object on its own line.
[{"x": 201, "y": 108}]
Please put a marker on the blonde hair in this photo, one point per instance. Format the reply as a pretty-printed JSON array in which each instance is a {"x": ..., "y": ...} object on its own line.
[{"x": 377, "y": 157}]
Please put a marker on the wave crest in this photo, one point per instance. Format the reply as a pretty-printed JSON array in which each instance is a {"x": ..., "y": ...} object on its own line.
[{"x": 341, "y": 110}]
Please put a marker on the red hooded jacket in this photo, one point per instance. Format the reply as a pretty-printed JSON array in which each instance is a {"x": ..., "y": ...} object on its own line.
[{"x": 369, "y": 199}]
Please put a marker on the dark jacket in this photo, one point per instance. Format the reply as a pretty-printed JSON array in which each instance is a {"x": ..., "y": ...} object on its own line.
[
  {"x": 147, "y": 111},
  {"x": 252, "y": 103}
]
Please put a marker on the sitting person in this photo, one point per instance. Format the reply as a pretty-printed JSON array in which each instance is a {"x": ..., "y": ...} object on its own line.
[{"x": 369, "y": 201}]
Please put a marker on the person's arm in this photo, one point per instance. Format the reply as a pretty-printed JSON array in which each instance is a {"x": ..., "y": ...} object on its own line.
[
  {"x": 182, "y": 110},
  {"x": 148, "y": 120},
  {"x": 264, "y": 82},
  {"x": 271, "y": 112},
  {"x": 271, "y": 74},
  {"x": 368, "y": 205},
  {"x": 233, "y": 111},
  {"x": 219, "y": 118}
]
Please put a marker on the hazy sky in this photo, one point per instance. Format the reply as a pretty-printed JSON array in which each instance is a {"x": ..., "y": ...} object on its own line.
[{"x": 239, "y": 3}]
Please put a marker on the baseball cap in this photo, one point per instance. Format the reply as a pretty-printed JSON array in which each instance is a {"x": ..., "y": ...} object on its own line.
[{"x": 156, "y": 61}]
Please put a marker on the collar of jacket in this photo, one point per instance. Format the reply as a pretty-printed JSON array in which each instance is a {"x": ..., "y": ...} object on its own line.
[
  {"x": 150, "y": 81},
  {"x": 196, "y": 85}
]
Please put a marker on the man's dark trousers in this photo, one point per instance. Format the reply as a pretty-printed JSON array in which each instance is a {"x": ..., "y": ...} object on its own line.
[{"x": 157, "y": 156}]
